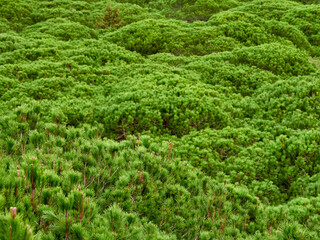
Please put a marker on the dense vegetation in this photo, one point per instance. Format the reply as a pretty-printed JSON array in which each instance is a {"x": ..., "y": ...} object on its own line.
[{"x": 182, "y": 119}]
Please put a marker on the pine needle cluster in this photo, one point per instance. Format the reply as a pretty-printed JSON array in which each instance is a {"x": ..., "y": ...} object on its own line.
[{"x": 110, "y": 19}]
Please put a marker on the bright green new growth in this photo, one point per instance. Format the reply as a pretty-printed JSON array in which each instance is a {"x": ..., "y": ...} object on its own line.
[{"x": 183, "y": 119}]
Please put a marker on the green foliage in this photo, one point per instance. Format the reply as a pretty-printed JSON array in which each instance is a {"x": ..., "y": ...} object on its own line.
[
  {"x": 141, "y": 110},
  {"x": 171, "y": 36},
  {"x": 309, "y": 1},
  {"x": 194, "y": 10},
  {"x": 75, "y": 11},
  {"x": 4, "y": 25},
  {"x": 279, "y": 59},
  {"x": 303, "y": 17},
  {"x": 130, "y": 13},
  {"x": 203, "y": 9},
  {"x": 61, "y": 29},
  {"x": 17, "y": 13},
  {"x": 169, "y": 120},
  {"x": 241, "y": 79},
  {"x": 252, "y": 29}
]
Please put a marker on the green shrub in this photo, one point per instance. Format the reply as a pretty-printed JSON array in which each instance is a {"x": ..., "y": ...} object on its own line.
[
  {"x": 60, "y": 29},
  {"x": 17, "y": 13},
  {"x": 279, "y": 59}
]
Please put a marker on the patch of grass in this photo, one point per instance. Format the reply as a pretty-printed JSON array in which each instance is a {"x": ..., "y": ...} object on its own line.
[{"x": 316, "y": 61}]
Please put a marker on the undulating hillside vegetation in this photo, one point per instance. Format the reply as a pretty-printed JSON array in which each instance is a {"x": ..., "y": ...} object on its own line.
[{"x": 180, "y": 119}]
